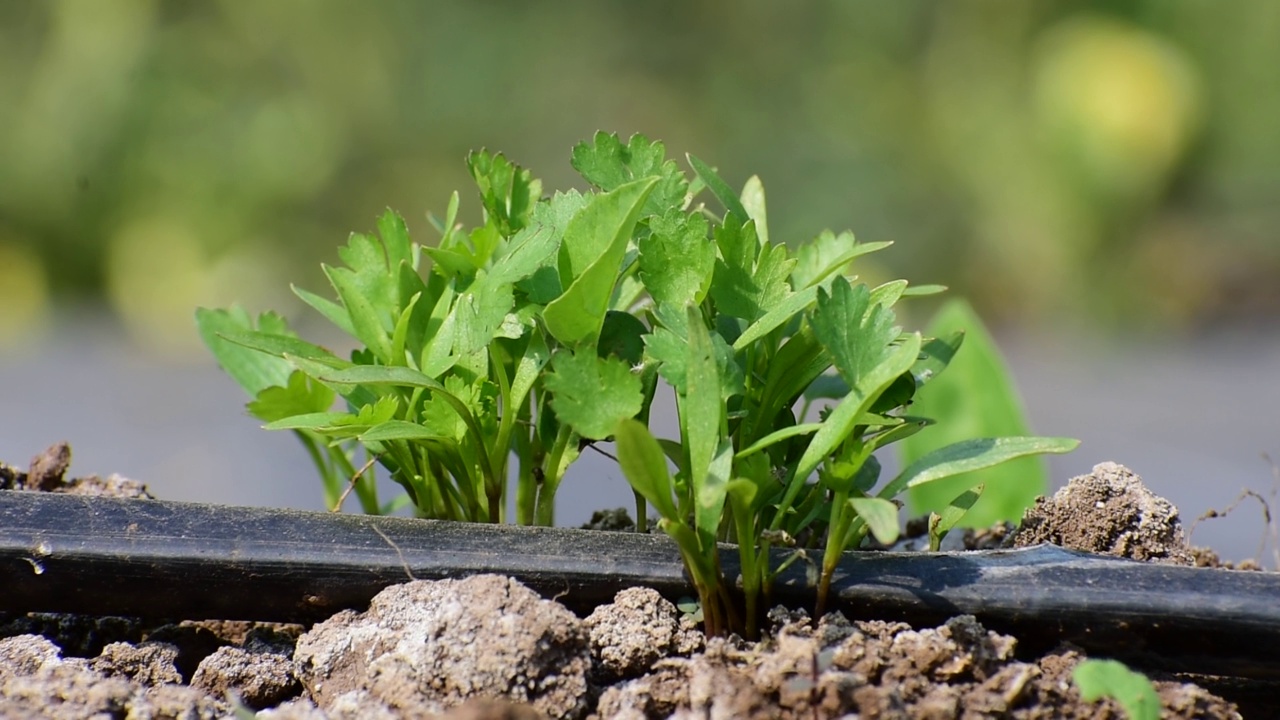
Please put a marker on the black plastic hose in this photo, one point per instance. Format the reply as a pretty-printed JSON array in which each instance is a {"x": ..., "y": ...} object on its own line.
[{"x": 159, "y": 559}]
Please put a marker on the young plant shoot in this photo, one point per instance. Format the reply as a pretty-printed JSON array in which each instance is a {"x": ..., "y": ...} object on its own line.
[{"x": 550, "y": 326}]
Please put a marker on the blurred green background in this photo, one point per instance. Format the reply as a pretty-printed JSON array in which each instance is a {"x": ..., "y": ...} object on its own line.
[{"x": 1093, "y": 164}]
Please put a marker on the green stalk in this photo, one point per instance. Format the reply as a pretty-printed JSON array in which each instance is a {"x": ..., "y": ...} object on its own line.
[
  {"x": 642, "y": 513},
  {"x": 501, "y": 451},
  {"x": 745, "y": 528},
  {"x": 836, "y": 531},
  {"x": 332, "y": 490},
  {"x": 551, "y": 476},
  {"x": 526, "y": 480}
]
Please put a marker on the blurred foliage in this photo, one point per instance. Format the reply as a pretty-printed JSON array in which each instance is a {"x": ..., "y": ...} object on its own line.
[{"x": 1113, "y": 162}]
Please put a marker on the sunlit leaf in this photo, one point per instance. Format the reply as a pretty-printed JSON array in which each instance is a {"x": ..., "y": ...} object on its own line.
[
  {"x": 969, "y": 455},
  {"x": 252, "y": 369},
  {"x": 645, "y": 466},
  {"x": 719, "y": 188},
  {"x": 301, "y": 395},
  {"x": 677, "y": 259},
  {"x": 577, "y": 315},
  {"x": 592, "y": 394},
  {"x": 609, "y": 164},
  {"x": 880, "y": 515}
]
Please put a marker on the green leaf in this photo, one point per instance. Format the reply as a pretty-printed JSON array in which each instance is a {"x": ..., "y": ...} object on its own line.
[
  {"x": 857, "y": 473},
  {"x": 719, "y": 188},
  {"x": 935, "y": 356},
  {"x": 941, "y": 524},
  {"x": 439, "y": 334},
  {"x": 969, "y": 455},
  {"x": 710, "y": 493},
  {"x": 311, "y": 421},
  {"x": 440, "y": 413},
  {"x": 302, "y": 395},
  {"x": 645, "y": 467},
  {"x": 773, "y": 268},
  {"x": 776, "y": 317},
  {"x": 408, "y": 377},
  {"x": 479, "y": 313},
  {"x": 365, "y": 318},
  {"x": 543, "y": 284},
  {"x": 839, "y": 424},
  {"x": 826, "y": 255},
  {"x": 507, "y": 191},
  {"x": 535, "y": 357},
  {"x": 400, "y": 351},
  {"x": 608, "y": 164},
  {"x": 668, "y": 345},
  {"x": 451, "y": 263},
  {"x": 252, "y": 370},
  {"x": 371, "y": 276},
  {"x": 827, "y": 387},
  {"x": 975, "y": 397},
  {"x": 395, "y": 238},
  {"x": 923, "y": 290},
  {"x": 753, "y": 203},
  {"x": 856, "y": 332},
  {"x": 749, "y": 279},
  {"x": 909, "y": 426},
  {"x": 701, "y": 407},
  {"x": 622, "y": 336},
  {"x": 331, "y": 310},
  {"x": 880, "y": 515},
  {"x": 381, "y": 375},
  {"x": 778, "y": 436},
  {"x": 282, "y": 345},
  {"x": 399, "y": 430},
  {"x": 677, "y": 259},
  {"x": 592, "y": 394},
  {"x": 343, "y": 424},
  {"x": 532, "y": 248},
  {"x": 889, "y": 293},
  {"x": 1110, "y": 678},
  {"x": 576, "y": 316}
]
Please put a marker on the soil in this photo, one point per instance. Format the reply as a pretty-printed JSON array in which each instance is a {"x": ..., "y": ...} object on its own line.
[{"x": 488, "y": 647}]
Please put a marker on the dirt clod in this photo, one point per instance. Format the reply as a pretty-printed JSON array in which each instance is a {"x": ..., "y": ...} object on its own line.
[
  {"x": 148, "y": 663},
  {"x": 258, "y": 679},
  {"x": 1108, "y": 511},
  {"x": 48, "y": 468},
  {"x": 428, "y": 646},
  {"x": 37, "y": 682},
  {"x": 636, "y": 630}
]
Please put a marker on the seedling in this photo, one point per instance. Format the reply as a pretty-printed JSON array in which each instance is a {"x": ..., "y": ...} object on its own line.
[{"x": 1113, "y": 679}]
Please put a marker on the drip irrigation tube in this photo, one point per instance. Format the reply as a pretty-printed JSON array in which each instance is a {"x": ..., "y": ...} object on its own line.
[{"x": 160, "y": 559}]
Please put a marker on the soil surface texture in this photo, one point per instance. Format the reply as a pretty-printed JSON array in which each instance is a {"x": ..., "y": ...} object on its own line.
[{"x": 488, "y": 647}]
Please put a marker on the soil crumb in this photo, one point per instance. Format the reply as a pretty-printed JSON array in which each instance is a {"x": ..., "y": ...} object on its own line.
[{"x": 1108, "y": 511}]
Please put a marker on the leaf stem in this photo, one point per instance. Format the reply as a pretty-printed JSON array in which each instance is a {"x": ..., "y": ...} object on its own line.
[{"x": 552, "y": 473}]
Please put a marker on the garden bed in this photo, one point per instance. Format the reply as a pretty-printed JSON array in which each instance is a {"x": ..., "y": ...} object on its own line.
[{"x": 574, "y": 623}]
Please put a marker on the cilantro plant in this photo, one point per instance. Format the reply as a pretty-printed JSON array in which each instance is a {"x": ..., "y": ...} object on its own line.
[
  {"x": 501, "y": 350},
  {"x": 744, "y": 333},
  {"x": 550, "y": 326}
]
